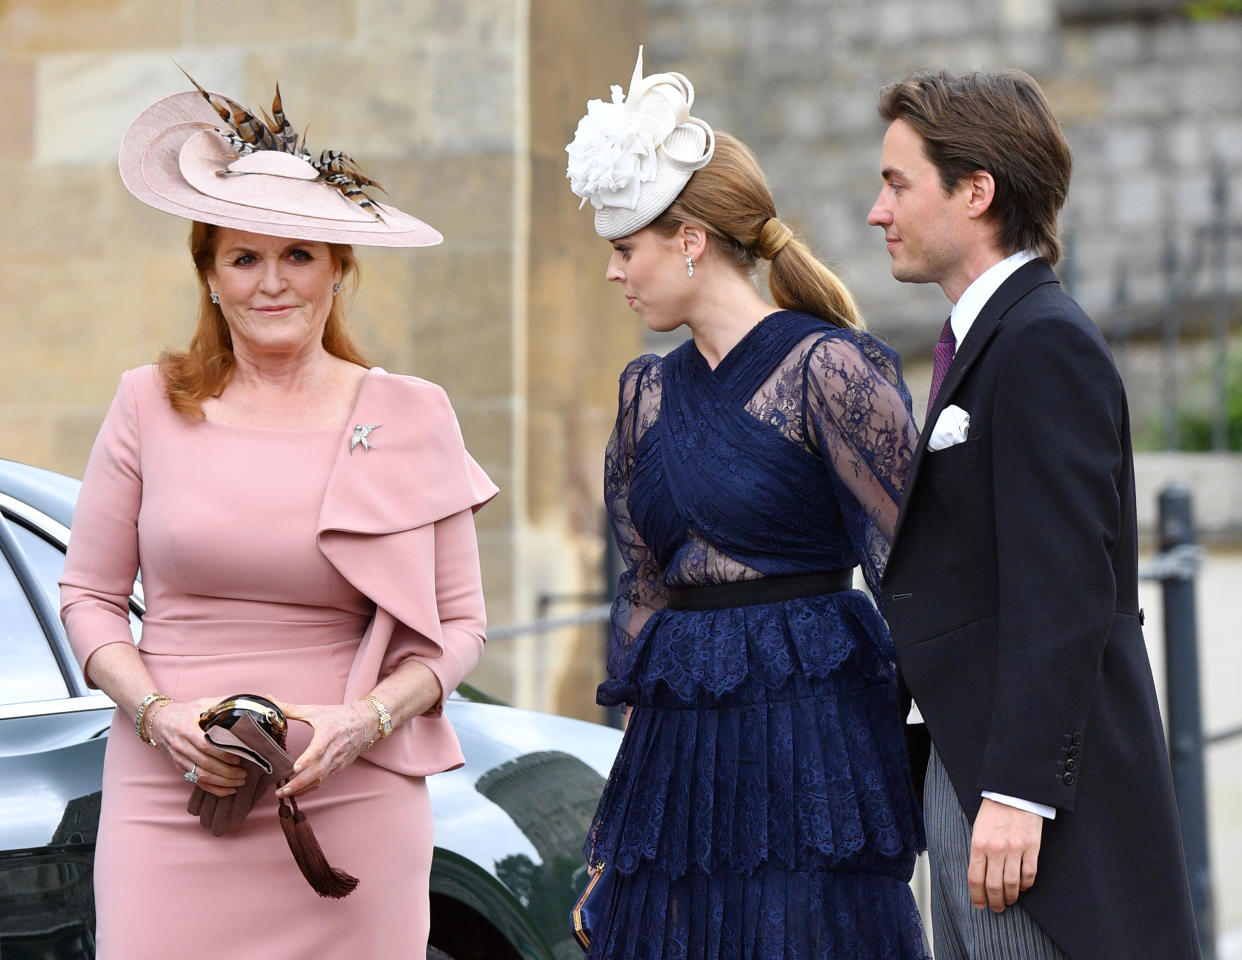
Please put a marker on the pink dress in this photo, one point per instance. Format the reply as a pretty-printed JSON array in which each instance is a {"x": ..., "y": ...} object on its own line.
[{"x": 227, "y": 524}]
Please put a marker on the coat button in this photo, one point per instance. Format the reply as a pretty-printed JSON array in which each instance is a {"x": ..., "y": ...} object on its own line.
[
  {"x": 1076, "y": 739},
  {"x": 1069, "y": 779},
  {"x": 1071, "y": 765},
  {"x": 1074, "y": 752}
]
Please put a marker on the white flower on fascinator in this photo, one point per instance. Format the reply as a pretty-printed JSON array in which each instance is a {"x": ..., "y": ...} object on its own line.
[
  {"x": 613, "y": 151},
  {"x": 622, "y": 145}
]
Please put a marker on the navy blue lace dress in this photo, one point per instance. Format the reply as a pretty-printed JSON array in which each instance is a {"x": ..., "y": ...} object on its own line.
[{"x": 760, "y": 805}]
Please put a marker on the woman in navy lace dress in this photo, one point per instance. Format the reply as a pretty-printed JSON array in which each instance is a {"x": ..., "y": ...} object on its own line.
[{"x": 760, "y": 805}]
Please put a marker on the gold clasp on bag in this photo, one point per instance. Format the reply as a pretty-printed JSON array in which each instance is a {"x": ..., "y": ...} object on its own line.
[{"x": 265, "y": 708}]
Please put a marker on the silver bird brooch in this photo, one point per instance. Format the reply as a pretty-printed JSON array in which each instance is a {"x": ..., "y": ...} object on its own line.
[{"x": 361, "y": 432}]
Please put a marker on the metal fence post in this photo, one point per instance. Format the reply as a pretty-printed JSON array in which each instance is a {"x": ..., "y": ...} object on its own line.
[{"x": 1177, "y": 543}]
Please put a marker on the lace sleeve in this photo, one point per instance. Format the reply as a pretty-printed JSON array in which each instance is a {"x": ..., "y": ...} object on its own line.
[
  {"x": 858, "y": 416},
  {"x": 640, "y": 589}
]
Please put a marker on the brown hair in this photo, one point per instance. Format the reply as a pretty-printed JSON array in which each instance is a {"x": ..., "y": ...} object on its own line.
[
  {"x": 204, "y": 368},
  {"x": 731, "y": 199},
  {"x": 997, "y": 122}
]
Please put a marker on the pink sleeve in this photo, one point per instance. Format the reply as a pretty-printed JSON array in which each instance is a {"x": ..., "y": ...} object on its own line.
[
  {"x": 459, "y": 603},
  {"x": 102, "y": 560}
]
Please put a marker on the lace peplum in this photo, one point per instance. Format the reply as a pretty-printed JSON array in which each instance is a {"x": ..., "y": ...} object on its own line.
[{"x": 716, "y": 651}]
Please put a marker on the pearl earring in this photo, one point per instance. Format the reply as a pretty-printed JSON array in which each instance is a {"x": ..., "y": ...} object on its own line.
[
  {"x": 215, "y": 298},
  {"x": 689, "y": 266}
]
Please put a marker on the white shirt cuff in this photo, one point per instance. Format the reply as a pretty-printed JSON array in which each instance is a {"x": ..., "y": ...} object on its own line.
[{"x": 1045, "y": 811}]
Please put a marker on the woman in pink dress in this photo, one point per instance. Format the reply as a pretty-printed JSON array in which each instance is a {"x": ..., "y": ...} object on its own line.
[{"x": 304, "y": 528}]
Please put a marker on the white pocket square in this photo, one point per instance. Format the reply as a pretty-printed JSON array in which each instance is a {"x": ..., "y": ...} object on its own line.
[{"x": 953, "y": 427}]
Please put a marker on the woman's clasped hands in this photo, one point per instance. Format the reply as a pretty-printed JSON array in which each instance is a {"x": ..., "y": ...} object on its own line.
[{"x": 342, "y": 732}]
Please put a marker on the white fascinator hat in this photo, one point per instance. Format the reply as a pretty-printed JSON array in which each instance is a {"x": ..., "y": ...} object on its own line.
[
  {"x": 206, "y": 157},
  {"x": 631, "y": 157}
]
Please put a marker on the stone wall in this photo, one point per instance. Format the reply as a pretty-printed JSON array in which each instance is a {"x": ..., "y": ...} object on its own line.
[
  {"x": 1149, "y": 102},
  {"x": 461, "y": 108}
]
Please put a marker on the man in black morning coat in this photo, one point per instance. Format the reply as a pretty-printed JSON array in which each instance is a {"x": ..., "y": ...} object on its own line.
[{"x": 1011, "y": 588}]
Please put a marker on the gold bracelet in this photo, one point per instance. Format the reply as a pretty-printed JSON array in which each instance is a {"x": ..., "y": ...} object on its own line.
[
  {"x": 385, "y": 718},
  {"x": 151, "y": 698}
]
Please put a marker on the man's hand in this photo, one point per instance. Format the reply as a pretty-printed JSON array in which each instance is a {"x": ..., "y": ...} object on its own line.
[{"x": 1004, "y": 854}]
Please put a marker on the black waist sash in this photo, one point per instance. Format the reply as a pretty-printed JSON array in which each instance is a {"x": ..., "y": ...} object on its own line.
[{"x": 746, "y": 593}]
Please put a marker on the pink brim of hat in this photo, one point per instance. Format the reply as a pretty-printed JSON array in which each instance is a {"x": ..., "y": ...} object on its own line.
[{"x": 169, "y": 160}]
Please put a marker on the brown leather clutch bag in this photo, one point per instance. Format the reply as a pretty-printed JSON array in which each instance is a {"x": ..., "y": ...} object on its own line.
[{"x": 254, "y": 729}]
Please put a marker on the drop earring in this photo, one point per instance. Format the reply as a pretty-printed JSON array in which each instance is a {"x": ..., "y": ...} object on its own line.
[
  {"x": 215, "y": 298},
  {"x": 689, "y": 266},
  {"x": 336, "y": 288}
]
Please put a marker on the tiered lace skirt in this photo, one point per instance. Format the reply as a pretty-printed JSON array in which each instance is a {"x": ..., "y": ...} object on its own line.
[{"x": 761, "y": 804}]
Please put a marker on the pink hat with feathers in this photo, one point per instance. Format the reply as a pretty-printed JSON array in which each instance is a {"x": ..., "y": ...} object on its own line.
[{"x": 206, "y": 157}]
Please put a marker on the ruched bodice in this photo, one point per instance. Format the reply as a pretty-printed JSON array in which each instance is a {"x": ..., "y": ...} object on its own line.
[{"x": 788, "y": 457}]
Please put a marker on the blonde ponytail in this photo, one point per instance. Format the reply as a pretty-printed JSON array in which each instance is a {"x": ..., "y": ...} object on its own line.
[{"x": 800, "y": 281}]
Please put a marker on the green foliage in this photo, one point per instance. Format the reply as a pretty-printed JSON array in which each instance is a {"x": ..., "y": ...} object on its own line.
[
  {"x": 1194, "y": 425},
  {"x": 1213, "y": 9},
  {"x": 1194, "y": 419}
]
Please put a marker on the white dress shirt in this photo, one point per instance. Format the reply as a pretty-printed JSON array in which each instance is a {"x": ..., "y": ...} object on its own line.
[
  {"x": 973, "y": 298},
  {"x": 964, "y": 314}
]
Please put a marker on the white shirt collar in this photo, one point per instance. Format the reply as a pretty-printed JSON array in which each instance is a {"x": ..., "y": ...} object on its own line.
[{"x": 968, "y": 305}]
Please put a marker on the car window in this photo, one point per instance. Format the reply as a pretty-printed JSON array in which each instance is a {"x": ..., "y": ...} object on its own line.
[
  {"x": 28, "y": 670},
  {"x": 47, "y": 561}
]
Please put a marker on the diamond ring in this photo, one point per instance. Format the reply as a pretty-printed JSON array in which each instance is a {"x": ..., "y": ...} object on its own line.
[{"x": 192, "y": 774}]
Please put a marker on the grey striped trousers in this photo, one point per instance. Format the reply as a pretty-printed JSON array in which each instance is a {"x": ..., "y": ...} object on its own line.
[{"x": 959, "y": 930}]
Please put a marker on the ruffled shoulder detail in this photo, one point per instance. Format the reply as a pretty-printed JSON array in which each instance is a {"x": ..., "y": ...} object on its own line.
[
  {"x": 402, "y": 463},
  {"x": 383, "y": 498}
]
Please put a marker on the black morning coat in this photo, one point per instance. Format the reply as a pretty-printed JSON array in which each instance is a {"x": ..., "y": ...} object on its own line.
[{"x": 1012, "y": 595}]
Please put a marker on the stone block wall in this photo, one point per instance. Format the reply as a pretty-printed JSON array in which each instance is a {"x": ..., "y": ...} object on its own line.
[
  {"x": 1149, "y": 101},
  {"x": 461, "y": 108}
]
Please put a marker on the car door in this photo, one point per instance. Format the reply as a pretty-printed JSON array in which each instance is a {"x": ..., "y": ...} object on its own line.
[{"x": 52, "y": 735}]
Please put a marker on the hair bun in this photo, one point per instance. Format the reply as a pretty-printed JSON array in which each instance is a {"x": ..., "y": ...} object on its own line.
[{"x": 772, "y": 238}]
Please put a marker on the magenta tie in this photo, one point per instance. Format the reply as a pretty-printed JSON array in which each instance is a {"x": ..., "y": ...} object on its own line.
[{"x": 942, "y": 356}]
